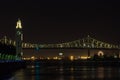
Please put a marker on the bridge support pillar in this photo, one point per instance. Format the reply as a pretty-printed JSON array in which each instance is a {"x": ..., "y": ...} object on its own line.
[{"x": 88, "y": 52}]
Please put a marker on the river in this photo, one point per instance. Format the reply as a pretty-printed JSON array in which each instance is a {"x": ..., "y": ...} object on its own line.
[{"x": 38, "y": 72}]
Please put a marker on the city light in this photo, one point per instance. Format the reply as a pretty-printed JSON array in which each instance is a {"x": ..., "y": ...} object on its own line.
[
  {"x": 60, "y": 54},
  {"x": 55, "y": 58},
  {"x": 100, "y": 53},
  {"x": 33, "y": 57},
  {"x": 48, "y": 58},
  {"x": 84, "y": 57},
  {"x": 71, "y": 58}
]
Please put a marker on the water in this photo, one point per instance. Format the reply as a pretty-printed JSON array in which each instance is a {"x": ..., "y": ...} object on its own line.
[{"x": 38, "y": 72}]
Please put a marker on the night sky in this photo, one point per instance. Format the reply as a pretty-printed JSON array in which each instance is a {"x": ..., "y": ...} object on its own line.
[{"x": 53, "y": 21}]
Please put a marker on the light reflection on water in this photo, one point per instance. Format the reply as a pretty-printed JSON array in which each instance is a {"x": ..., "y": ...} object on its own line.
[{"x": 36, "y": 72}]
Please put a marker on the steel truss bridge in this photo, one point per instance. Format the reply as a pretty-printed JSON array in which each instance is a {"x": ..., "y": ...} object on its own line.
[{"x": 87, "y": 42}]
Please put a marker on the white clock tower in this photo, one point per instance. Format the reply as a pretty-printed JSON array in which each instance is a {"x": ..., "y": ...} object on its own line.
[{"x": 19, "y": 39}]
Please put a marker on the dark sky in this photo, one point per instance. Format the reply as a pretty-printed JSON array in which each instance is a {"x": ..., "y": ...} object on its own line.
[{"x": 52, "y": 21}]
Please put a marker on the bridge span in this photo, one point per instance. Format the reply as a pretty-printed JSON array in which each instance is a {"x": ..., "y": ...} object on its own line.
[{"x": 87, "y": 42}]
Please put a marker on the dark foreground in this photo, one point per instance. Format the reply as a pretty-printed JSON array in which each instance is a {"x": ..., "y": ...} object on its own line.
[{"x": 61, "y": 70}]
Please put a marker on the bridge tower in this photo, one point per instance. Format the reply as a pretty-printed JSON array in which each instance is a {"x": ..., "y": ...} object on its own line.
[{"x": 19, "y": 39}]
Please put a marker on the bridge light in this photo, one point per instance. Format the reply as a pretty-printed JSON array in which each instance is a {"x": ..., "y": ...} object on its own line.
[
  {"x": 88, "y": 46},
  {"x": 92, "y": 45},
  {"x": 84, "y": 44}
]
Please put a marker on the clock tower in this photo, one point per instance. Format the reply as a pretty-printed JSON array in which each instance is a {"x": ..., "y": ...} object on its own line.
[{"x": 19, "y": 39}]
